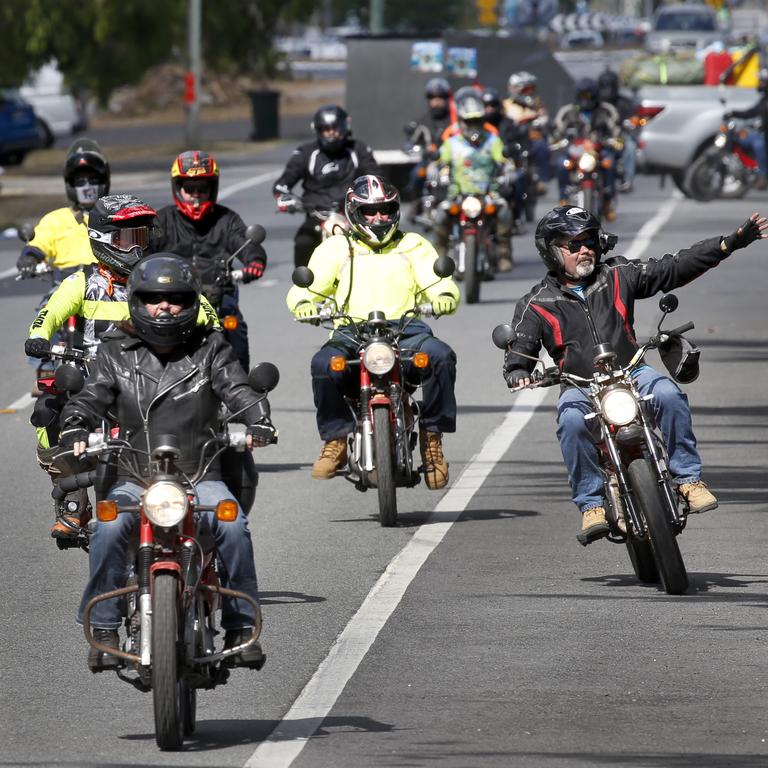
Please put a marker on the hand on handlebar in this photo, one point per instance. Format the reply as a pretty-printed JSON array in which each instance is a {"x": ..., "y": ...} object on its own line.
[
  {"x": 252, "y": 271},
  {"x": 287, "y": 204},
  {"x": 305, "y": 311},
  {"x": 444, "y": 304},
  {"x": 76, "y": 438},
  {"x": 37, "y": 347},
  {"x": 28, "y": 264},
  {"x": 261, "y": 434},
  {"x": 517, "y": 380}
]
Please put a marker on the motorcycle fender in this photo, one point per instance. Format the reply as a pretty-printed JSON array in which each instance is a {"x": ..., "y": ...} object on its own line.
[
  {"x": 378, "y": 400},
  {"x": 165, "y": 565}
]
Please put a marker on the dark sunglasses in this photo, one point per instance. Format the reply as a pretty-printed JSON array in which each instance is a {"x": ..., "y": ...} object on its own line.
[
  {"x": 386, "y": 209},
  {"x": 574, "y": 246}
]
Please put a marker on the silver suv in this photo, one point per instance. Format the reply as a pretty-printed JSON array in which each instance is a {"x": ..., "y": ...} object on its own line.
[{"x": 676, "y": 27}]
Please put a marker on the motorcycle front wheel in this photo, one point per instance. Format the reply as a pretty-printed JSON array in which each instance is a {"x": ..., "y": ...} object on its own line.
[
  {"x": 706, "y": 176},
  {"x": 170, "y": 701},
  {"x": 471, "y": 275},
  {"x": 666, "y": 552},
  {"x": 385, "y": 470}
]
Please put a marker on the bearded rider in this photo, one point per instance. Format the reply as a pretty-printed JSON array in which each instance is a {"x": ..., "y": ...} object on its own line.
[
  {"x": 584, "y": 301},
  {"x": 167, "y": 360},
  {"x": 390, "y": 270},
  {"x": 472, "y": 161},
  {"x": 325, "y": 167},
  {"x": 61, "y": 236},
  {"x": 120, "y": 231},
  {"x": 197, "y": 228}
]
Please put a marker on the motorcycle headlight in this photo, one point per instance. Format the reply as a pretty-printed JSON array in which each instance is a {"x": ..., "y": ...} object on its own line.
[
  {"x": 619, "y": 407},
  {"x": 379, "y": 358},
  {"x": 165, "y": 504},
  {"x": 721, "y": 140},
  {"x": 587, "y": 162},
  {"x": 471, "y": 207}
]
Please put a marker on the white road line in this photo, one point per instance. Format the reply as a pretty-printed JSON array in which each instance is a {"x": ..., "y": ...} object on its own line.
[
  {"x": 256, "y": 180},
  {"x": 21, "y": 403},
  {"x": 313, "y": 704}
]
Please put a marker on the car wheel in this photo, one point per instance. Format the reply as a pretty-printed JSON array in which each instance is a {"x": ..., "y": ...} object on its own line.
[{"x": 45, "y": 133}]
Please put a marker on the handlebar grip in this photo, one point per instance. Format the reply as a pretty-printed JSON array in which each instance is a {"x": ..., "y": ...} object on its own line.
[
  {"x": 72, "y": 483},
  {"x": 689, "y": 326}
]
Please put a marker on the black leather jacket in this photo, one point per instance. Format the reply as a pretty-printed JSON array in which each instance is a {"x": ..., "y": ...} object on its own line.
[
  {"x": 178, "y": 394},
  {"x": 216, "y": 236},
  {"x": 569, "y": 328}
]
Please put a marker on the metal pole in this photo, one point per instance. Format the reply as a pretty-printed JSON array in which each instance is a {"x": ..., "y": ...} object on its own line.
[
  {"x": 194, "y": 30},
  {"x": 376, "y": 12}
]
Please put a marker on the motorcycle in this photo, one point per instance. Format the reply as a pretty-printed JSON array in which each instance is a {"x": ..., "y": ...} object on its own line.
[
  {"x": 423, "y": 151},
  {"x": 641, "y": 505},
  {"x": 173, "y": 591},
  {"x": 328, "y": 221},
  {"x": 386, "y": 415},
  {"x": 584, "y": 165},
  {"x": 727, "y": 169}
]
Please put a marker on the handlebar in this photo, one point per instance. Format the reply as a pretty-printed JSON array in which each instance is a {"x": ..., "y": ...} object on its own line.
[
  {"x": 43, "y": 268},
  {"x": 684, "y": 328}
]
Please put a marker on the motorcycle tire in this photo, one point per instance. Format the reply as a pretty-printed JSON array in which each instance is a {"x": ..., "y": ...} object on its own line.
[
  {"x": 167, "y": 688},
  {"x": 666, "y": 552},
  {"x": 735, "y": 186},
  {"x": 643, "y": 562},
  {"x": 706, "y": 176},
  {"x": 189, "y": 696},
  {"x": 385, "y": 468},
  {"x": 471, "y": 274},
  {"x": 585, "y": 198}
]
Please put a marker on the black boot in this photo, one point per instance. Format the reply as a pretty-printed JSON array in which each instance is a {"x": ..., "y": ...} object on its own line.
[
  {"x": 252, "y": 657},
  {"x": 98, "y": 661}
]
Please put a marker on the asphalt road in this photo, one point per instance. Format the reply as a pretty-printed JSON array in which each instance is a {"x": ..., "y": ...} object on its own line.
[{"x": 511, "y": 645}]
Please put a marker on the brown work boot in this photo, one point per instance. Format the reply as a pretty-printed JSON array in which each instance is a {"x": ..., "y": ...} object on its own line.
[
  {"x": 435, "y": 465},
  {"x": 594, "y": 526},
  {"x": 697, "y": 496},
  {"x": 505, "y": 264},
  {"x": 66, "y": 527},
  {"x": 332, "y": 458}
]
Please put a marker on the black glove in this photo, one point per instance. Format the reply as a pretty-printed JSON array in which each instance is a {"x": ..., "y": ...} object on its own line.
[
  {"x": 516, "y": 377},
  {"x": 263, "y": 432},
  {"x": 27, "y": 264},
  {"x": 727, "y": 115},
  {"x": 37, "y": 347},
  {"x": 745, "y": 235},
  {"x": 71, "y": 434},
  {"x": 252, "y": 271}
]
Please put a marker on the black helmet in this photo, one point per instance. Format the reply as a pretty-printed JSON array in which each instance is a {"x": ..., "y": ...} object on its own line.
[
  {"x": 562, "y": 224},
  {"x": 86, "y": 155},
  {"x": 163, "y": 275},
  {"x": 334, "y": 118},
  {"x": 438, "y": 88},
  {"x": 587, "y": 93},
  {"x": 121, "y": 228},
  {"x": 369, "y": 195},
  {"x": 608, "y": 85},
  {"x": 492, "y": 104}
]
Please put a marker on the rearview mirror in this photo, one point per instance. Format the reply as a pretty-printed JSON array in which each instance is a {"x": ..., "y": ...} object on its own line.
[
  {"x": 255, "y": 233},
  {"x": 668, "y": 303},
  {"x": 503, "y": 335},
  {"x": 26, "y": 232},
  {"x": 444, "y": 266},
  {"x": 303, "y": 277},
  {"x": 264, "y": 377},
  {"x": 68, "y": 378}
]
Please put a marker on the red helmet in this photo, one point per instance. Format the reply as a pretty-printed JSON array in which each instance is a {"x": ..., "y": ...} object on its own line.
[
  {"x": 192, "y": 166},
  {"x": 368, "y": 196}
]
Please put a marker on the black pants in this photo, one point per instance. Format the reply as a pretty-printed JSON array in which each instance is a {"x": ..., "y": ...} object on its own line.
[{"x": 307, "y": 238}]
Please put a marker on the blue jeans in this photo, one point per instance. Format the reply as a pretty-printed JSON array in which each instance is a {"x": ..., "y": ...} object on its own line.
[
  {"x": 629, "y": 158},
  {"x": 438, "y": 413},
  {"x": 755, "y": 142},
  {"x": 542, "y": 158},
  {"x": 670, "y": 408},
  {"x": 110, "y": 544}
]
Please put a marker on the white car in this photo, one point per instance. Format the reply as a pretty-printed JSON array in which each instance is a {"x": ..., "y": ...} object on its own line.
[
  {"x": 59, "y": 112},
  {"x": 582, "y": 38}
]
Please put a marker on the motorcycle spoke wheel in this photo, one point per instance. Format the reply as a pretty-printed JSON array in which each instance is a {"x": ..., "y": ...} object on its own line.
[
  {"x": 664, "y": 545},
  {"x": 385, "y": 469},
  {"x": 167, "y": 686},
  {"x": 471, "y": 276}
]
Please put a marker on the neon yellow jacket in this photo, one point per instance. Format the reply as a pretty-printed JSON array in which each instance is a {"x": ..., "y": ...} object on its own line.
[
  {"x": 69, "y": 299},
  {"x": 389, "y": 280},
  {"x": 62, "y": 240}
]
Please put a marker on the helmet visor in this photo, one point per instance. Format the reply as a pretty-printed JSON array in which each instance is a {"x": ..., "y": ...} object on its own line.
[
  {"x": 385, "y": 210},
  {"x": 124, "y": 239}
]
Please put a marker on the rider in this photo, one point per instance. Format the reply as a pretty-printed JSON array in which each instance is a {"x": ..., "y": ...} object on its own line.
[
  {"x": 595, "y": 120},
  {"x": 609, "y": 92},
  {"x": 325, "y": 167},
  {"x": 61, "y": 236},
  {"x": 120, "y": 229},
  {"x": 472, "y": 161},
  {"x": 525, "y": 108},
  {"x": 202, "y": 231},
  {"x": 757, "y": 140},
  {"x": 392, "y": 270},
  {"x": 584, "y": 301},
  {"x": 167, "y": 360}
]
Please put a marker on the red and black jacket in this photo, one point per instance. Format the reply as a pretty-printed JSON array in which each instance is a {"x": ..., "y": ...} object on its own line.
[{"x": 569, "y": 327}]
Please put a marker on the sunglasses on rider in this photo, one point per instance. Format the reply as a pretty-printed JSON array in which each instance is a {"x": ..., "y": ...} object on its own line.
[
  {"x": 383, "y": 209},
  {"x": 125, "y": 239},
  {"x": 574, "y": 246},
  {"x": 195, "y": 186}
]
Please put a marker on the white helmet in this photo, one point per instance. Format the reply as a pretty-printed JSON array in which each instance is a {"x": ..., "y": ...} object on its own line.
[{"x": 521, "y": 81}]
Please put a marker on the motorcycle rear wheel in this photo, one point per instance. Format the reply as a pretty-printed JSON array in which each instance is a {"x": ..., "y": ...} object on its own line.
[
  {"x": 385, "y": 473},
  {"x": 706, "y": 176},
  {"x": 168, "y": 696},
  {"x": 471, "y": 276},
  {"x": 666, "y": 552}
]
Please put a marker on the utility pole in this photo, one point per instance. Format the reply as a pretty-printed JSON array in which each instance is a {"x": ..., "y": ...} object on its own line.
[
  {"x": 376, "y": 17},
  {"x": 192, "y": 79}
]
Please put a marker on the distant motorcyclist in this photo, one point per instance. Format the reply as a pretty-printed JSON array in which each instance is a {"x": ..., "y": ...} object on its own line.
[
  {"x": 196, "y": 227},
  {"x": 61, "y": 236},
  {"x": 167, "y": 377},
  {"x": 757, "y": 141},
  {"x": 524, "y": 106},
  {"x": 597, "y": 121},
  {"x": 471, "y": 163},
  {"x": 585, "y": 301},
  {"x": 610, "y": 92},
  {"x": 325, "y": 167},
  {"x": 391, "y": 270}
]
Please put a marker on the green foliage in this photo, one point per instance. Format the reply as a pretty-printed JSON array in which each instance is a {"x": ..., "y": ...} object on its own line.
[{"x": 423, "y": 16}]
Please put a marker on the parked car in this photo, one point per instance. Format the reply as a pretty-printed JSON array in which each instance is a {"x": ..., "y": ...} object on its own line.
[
  {"x": 19, "y": 128},
  {"x": 582, "y": 38},
  {"x": 678, "y": 27},
  {"x": 60, "y": 113}
]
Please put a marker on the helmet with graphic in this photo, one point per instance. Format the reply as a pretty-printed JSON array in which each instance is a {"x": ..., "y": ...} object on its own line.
[
  {"x": 195, "y": 183},
  {"x": 372, "y": 207}
]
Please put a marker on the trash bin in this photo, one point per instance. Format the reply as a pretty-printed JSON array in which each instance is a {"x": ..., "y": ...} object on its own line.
[{"x": 266, "y": 120}]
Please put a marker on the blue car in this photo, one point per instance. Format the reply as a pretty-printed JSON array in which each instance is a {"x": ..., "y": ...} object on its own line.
[{"x": 19, "y": 128}]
